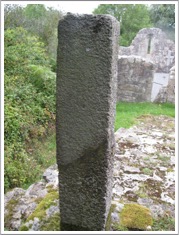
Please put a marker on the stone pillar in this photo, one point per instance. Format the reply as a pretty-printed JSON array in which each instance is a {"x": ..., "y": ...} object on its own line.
[{"x": 86, "y": 99}]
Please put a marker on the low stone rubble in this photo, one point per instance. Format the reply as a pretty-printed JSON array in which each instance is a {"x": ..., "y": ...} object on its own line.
[
  {"x": 144, "y": 173},
  {"x": 20, "y": 204}
]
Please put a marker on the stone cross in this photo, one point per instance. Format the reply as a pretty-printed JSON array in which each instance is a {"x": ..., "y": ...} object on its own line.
[{"x": 86, "y": 99}]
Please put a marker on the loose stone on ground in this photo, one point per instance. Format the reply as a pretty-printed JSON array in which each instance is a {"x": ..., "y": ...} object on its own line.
[{"x": 144, "y": 170}]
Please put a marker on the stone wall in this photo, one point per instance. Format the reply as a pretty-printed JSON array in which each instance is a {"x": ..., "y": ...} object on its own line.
[
  {"x": 152, "y": 43},
  {"x": 167, "y": 93},
  {"x": 135, "y": 76}
]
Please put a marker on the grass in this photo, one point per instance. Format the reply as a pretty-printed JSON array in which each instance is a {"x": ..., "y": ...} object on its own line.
[
  {"x": 161, "y": 224},
  {"x": 44, "y": 153},
  {"x": 127, "y": 113},
  {"x": 164, "y": 224}
]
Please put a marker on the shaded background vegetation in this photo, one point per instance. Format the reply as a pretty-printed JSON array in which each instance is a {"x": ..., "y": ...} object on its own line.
[
  {"x": 133, "y": 17},
  {"x": 30, "y": 42}
]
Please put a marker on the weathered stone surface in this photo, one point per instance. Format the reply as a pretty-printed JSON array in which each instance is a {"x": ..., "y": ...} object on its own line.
[
  {"x": 33, "y": 190},
  {"x": 86, "y": 98},
  {"x": 167, "y": 93},
  {"x": 144, "y": 173},
  {"x": 50, "y": 175},
  {"x": 14, "y": 194},
  {"x": 152, "y": 43},
  {"x": 135, "y": 76},
  {"x": 19, "y": 204}
]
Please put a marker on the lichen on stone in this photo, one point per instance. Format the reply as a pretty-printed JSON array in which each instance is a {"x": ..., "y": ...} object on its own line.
[{"x": 134, "y": 216}]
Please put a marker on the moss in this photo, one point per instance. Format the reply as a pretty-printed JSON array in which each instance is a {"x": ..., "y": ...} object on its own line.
[
  {"x": 38, "y": 200},
  {"x": 44, "y": 204},
  {"x": 52, "y": 224},
  {"x": 23, "y": 228},
  {"x": 135, "y": 216},
  {"x": 170, "y": 170},
  {"x": 51, "y": 189}
]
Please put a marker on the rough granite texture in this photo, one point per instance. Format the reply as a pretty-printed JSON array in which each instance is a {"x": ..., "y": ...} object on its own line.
[{"x": 86, "y": 98}]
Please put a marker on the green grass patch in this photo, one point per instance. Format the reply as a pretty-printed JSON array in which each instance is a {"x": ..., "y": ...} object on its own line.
[
  {"x": 44, "y": 154},
  {"x": 166, "y": 223},
  {"x": 45, "y": 151},
  {"x": 127, "y": 113}
]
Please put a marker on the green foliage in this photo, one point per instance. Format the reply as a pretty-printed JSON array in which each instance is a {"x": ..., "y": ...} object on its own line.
[
  {"x": 17, "y": 164},
  {"x": 21, "y": 49},
  {"x": 34, "y": 11},
  {"x": 165, "y": 223},
  {"x": 13, "y": 16},
  {"x": 127, "y": 113},
  {"x": 37, "y": 20},
  {"x": 163, "y": 16},
  {"x": 132, "y": 18},
  {"x": 29, "y": 103},
  {"x": 44, "y": 151},
  {"x": 43, "y": 22}
]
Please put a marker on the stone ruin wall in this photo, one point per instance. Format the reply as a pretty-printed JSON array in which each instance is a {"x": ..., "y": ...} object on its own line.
[
  {"x": 135, "y": 82},
  {"x": 167, "y": 93},
  {"x": 135, "y": 76},
  {"x": 152, "y": 43}
]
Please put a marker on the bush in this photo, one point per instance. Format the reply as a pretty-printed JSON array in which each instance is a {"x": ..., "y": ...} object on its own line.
[{"x": 29, "y": 103}]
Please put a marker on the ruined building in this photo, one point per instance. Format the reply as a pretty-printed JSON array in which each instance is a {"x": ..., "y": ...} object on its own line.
[{"x": 152, "y": 46}]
